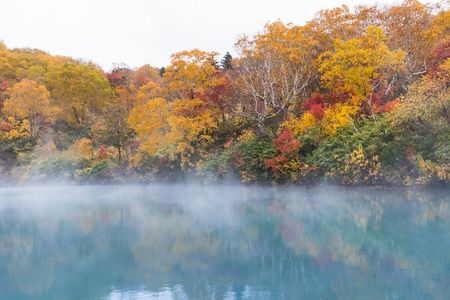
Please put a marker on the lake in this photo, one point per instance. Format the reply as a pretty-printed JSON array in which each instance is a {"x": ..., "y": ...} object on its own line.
[{"x": 223, "y": 242}]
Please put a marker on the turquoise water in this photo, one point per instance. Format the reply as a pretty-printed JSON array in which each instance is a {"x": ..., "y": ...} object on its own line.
[{"x": 192, "y": 242}]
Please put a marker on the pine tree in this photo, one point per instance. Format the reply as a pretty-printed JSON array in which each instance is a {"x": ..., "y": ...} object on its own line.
[
  {"x": 162, "y": 71},
  {"x": 226, "y": 62}
]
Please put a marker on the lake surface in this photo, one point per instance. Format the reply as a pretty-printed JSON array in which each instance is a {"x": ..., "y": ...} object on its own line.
[{"x": 193, "y": 242}]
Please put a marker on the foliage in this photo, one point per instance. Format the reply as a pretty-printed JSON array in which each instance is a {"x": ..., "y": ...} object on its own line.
[
  {"x": 413, "y": 28},
  {"x": 29, "y": 101},
  {"x": 431, "y": 172},
  {"x": 24, "y": 154},
  {"x": 62, "y": 141},
  {"x": 286, "y": 161},
  {"x": 101, "y": 172},
  {"x": 244, "y": 161},
  {"x": 14, "y": 129},
  {"x": 249, "y": 158},
  {"x": 227, "y": 62},
  {"x": 81, "y": 149},
  {"x": 359, "y": 170},
  {"x": 79, "y": 90},
  {"x": 355, "y": 97},
  {"x": 275, "y": 67},
  {"x": 53, "y": 169},
  {"x": 180, "y": 124},
  {"x": 360, "y": 66},
  {"x": 113, "y": 129},
  {"x": 219, "y": 168},
  {"x": 333, "y": 154}
]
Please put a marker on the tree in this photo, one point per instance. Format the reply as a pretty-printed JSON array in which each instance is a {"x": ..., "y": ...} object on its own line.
[
  {"x": 112, "y": 129},
  {"x": 125, "y": 84},
  {"x": 220, "y": 99},
  {"x": 227, "y": 62},
  {"x": 359, "y": 66},
  {"x": 190, "y": 73},
  {"x": 145, "y": 74},
  {"x": 172, "y": 117},
  {"x": 411, "y": 27},
  {"x": 4, "y": 86},
  {"x": 162, "y": 71},
  {"x": 79, "y": 90},
  {"x": 29, "y": 101},
  {"x": 340, "y": 23},
  {"x": 426, "y": 108},
  {"x": 274, "y": 69}
]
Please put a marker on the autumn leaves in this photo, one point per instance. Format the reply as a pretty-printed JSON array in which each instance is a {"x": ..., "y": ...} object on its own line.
[
  {"x": 268, "y": 115},
  {"x": 175, "y": 117},
  {"x": 342, "y": 67}
]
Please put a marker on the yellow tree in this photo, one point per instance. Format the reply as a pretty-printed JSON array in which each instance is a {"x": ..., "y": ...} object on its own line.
[
  {"x": 29, "y": 101},
  {"x": 18, "y": 64},
  {"x": 172, "y": 117},
  {"x": 341, "y": 23},
  {"x": 190, "y": 74},
  {"x": 359, "y": 66},
  {"x": 274, "y": 69},
  {"x": 79, "y": 89},
  {"x": 442, "y": 20}
]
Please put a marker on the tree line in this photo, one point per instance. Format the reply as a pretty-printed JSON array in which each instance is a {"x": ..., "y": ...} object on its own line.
[{"x": 355, "y": 96}]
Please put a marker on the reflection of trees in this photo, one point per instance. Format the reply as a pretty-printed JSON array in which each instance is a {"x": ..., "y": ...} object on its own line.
[
  {"x": 386, "y": 236},
  {"x": 283, "y": 242},
  {"x": 29, "y": 266}
]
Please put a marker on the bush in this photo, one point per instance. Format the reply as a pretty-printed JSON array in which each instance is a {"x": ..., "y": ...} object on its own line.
[
  {"x": 101, "y": 172},
  {"x": 245, "y": 161},
  {"x": 218, "y": 168},
  {"x": 53, "y": 169},
  {"x": 359, "y": 170},
  {"x": 329, "y": 157}
]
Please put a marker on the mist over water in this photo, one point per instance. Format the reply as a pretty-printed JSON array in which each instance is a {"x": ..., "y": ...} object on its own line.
[{"x": 223, "y": 242}]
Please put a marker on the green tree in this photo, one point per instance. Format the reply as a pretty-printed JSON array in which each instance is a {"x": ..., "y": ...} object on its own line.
[{"x": 226, "y": 62}]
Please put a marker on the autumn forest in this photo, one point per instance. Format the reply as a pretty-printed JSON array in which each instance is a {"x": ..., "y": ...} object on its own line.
[{"x": 356, "y": 96}]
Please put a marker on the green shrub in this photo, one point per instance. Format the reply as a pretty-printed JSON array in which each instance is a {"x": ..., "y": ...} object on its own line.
[
  {"x": 218, "y": 168},
  {"x": 101, "y": 172},
  {"x": 53, "y": 169}
]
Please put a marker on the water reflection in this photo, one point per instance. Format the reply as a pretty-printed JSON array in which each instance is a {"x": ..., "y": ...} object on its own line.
[{"x": 192, "y": 242}]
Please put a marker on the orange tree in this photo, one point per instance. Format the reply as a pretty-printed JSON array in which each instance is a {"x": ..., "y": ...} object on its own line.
[{"x": 173, "y": 117}]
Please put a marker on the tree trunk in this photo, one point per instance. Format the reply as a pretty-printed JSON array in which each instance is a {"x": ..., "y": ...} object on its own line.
[
  {"x": 76, "y": 115},
  {"x": 351, "y": 122},
  {"x": 369, "y": 102}
]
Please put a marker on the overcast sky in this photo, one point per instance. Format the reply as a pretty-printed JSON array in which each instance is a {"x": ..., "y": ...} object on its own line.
[{"x": 138, "y": 32}]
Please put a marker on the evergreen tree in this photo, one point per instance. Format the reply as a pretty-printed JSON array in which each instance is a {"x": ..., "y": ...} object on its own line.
[
  {"x": 226, "y": 62},
  {"x": 162, "y": 71}
]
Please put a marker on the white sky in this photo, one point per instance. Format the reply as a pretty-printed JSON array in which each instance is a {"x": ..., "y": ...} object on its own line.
[{"x": 138, "y": 32}]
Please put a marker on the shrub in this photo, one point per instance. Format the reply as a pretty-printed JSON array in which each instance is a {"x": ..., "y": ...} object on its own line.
[
  {"x": 53, "y": 169},
  {"x": 286, "y": 163},
  {"x": 359, "y": 170}
]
